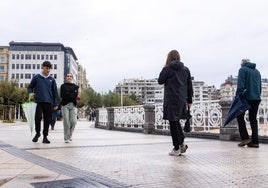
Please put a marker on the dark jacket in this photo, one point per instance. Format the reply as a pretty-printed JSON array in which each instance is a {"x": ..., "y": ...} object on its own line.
[
  {"x": 178, "y": 90},
  {"x": 45, "y": 89},
  {"x": 68, "y": 93},
  {"x": 249, "y": 78}
]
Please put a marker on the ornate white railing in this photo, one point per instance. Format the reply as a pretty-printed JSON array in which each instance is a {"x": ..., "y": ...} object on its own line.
[
  {"x": 129, "y": 116},
  {"x": 205, "y": 116},
  {"x": 103, "y": 116},
  {"x": 262, "y": 117}
]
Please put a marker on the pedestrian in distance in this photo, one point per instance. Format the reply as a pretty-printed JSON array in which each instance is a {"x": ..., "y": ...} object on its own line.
[
  {"x": 249, "y": 81},
  {"x": 43, "y": 89},
  {"x": 54, "y": 117},
  {"x": 178, "y": 93},
  {"x": 69, "y": 93}
]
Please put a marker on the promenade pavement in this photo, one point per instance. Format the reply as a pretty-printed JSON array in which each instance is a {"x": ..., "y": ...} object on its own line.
[{"x": 105, "y": 158}]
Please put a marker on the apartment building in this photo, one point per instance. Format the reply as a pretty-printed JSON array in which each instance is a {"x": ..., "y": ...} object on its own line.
[
  {"x": 82, "y": 78},
  {"x": 200, "y": 91},
  {"x": 4, "y": 55},
  {"x": 146, "y": 90},
  {"x": 149, "y": 91},
  {"x": 26, "y": 58},
  {"x": 228, "y": 89}
]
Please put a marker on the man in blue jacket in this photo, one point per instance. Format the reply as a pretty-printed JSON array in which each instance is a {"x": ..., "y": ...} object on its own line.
[
  {"x": 249, "y": 80},
  {"x": 43, "y": 89}
]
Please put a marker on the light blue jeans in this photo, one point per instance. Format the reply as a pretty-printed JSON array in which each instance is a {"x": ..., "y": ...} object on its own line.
[{"x": 69, "y": 113}]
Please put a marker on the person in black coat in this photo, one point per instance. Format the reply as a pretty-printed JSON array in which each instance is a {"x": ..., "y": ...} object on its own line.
[{"x": 178, "y": 93}]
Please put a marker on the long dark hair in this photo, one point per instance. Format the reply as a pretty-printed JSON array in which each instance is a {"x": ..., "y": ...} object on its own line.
[{"x": 173, "y": 55}]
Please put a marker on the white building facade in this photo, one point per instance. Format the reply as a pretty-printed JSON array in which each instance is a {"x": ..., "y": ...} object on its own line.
[
  {"x": 146, "y": 90},
  {"x": 26, "y": 58}
]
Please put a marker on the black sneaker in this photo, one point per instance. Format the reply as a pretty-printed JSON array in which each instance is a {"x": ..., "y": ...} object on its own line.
[
  {"x": 183, "y": 148},
  {"x": 244, "y": 142},
  {"x": 35, "y": 139},
  {"x": 252, "y": 145},
  {"x": 45, "y": 140}
]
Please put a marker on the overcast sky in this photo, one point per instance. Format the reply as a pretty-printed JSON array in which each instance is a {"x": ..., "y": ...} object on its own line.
[{"x": 117, "y": 39}]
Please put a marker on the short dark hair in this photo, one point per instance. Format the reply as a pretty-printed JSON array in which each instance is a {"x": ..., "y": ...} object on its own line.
[{"x": 47, "y": 64}]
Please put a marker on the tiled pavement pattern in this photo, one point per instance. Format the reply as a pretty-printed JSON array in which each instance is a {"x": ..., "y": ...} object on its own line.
[{"x": 102, "y": 158}]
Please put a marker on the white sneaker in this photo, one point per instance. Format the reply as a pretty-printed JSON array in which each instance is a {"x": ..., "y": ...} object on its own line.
[
  {"x": 175, "y": 152},
  {"x": 183, "y": 148},
  {"x": 67, "y": 141}
]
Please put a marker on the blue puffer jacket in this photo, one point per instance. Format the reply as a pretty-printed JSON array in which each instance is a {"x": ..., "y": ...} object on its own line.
[
  {"x": 249, "y": 78},
  {"x": 45, "y": 89}
]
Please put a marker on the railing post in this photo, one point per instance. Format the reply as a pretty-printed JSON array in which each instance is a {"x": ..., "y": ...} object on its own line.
[
  {"x": 228, "y": 132},
  {"x": 110, "y": 121},
  {"x": 97, "y": 118},
  {"x": 149, "y": 118}
]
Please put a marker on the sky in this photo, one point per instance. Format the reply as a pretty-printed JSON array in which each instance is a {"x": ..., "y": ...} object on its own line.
[{"x": 121, "y": 39}]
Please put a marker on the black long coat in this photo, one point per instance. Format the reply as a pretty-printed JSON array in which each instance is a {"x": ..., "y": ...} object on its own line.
[{"x": 178, "y": 90}]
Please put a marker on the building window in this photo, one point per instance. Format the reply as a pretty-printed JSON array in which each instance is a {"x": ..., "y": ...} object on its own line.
[
  {"x": 46, "y": 57},
  {"x": 13, "y": 66},
  {"x": 27, "y": 66},
  {"x": 38, "y": 66},
  {"x": 21, "y": 76},
  {"x": 13, "y": 56},
  {"x": 38, "y": 56},
  {"x": 55, "y": 66},
  {"x": 27, "y": 76},
  {"x": 33, "y": 66},
  {"x": 2, "y": 59},
  {"x": 17, "y": 66},
  {"x": 13, "y": 76},
  {"x": 28, "y": 56},
  {"x": 2, "y": 68},
  {"x": 55, "y": 76},
  {"x": 21, "y": 85},
  {"x": 55, "y": 57},
  {"x": 2, "y": 78},
  {"x": 42, "y": 57},
  {"x": 22, "y": 56},
  {"x": 21, "y": 66},
  {"x": 18, "y": 56},
  {"x": 51, "y": 57},
  {"x": 17, "y": 76},
  {"x": 33, "y": 56}
]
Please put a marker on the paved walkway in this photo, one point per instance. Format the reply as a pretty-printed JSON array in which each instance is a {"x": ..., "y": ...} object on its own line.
[{"x": 102, "y": 158}]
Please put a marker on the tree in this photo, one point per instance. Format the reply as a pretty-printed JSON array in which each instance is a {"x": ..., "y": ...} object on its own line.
[
  {"x": 10, "y": 96},
  {"x": 89, "y": 97},
  {"x": 111, "y": 99}
]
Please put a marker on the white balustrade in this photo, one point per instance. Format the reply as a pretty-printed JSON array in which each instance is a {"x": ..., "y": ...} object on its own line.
[
  {"x": 205, "y": 115},
  {"x": 129, "y": 116},
  {"x": 103, "y": 116}
]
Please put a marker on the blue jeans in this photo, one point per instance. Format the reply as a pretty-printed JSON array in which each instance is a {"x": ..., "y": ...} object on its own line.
[{"x": 69, "y": 114}]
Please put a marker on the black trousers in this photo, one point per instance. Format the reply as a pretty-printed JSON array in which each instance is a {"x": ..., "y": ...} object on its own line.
[
  {"x": 43, "y": 110},
  {"x": 252, "y": 113},
  {"x": 176, "y": 134}
]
